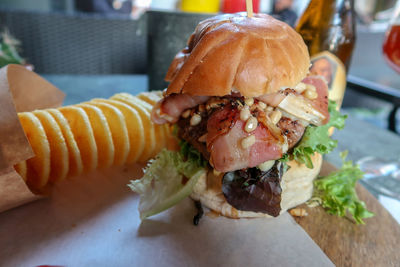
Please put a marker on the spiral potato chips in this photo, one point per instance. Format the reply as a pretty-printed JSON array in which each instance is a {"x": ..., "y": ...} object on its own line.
[
  {"x": 97, "y": 134},
  {"x": 38, "y": 167}
]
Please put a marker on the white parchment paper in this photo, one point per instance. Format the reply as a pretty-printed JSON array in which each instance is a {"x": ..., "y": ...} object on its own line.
[{"x": 93, "y": 221}]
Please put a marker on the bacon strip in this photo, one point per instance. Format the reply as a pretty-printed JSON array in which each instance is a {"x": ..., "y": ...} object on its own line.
[
  {"x": 171, "y": 107},
  {"x": 220, "y": 122},
  {"x": 321, "y": 102},
  {"x": 225, "y": 132},
  {"x": 227, "y": 153}
]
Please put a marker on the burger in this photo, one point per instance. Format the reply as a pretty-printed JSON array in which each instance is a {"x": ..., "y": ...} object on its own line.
[{"x": 251, "y": 120}]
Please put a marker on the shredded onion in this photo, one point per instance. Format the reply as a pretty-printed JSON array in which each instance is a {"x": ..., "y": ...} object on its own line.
[
  {"x": 299, "y": 107},
  {"x": 275, "y": 131}
]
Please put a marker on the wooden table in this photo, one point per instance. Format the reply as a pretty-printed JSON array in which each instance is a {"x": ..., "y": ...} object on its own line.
[{"x": 348, "y": 244}]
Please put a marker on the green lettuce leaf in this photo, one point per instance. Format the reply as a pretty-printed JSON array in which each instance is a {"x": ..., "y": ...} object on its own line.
[
  {"x": 338, "y": 194},
  {"x": 168, "y": 179},
  {"x": 317, "y": 139},
  {"x": 193, "y": 155},
  {"x": 8, "y": 50}
]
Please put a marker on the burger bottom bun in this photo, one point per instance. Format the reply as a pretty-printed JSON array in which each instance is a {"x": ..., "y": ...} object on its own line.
[{"x": 296, "y": 184}]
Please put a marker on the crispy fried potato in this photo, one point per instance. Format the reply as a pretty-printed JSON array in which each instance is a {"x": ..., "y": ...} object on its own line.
[
  {"x": 38, "y": 167},
  {"x": 159, "y": 129},
  {"x": 21, "y": 169},
  {"x": 80, "y": 126},
  {"x": 149, "y": 129},
  {"x": 150, "y": 97},
  {"x": 102, "y": 135},
  {"x": 134, "y": 126},
  {"x": 74, "y": 155},
  {"x": 163, "y": 134},
  {"x": 159, "y": 93},
  {"x": 119, "y": 131},
  {"x": 59, "y": 163},
  {"x": 103, "y": 132}
]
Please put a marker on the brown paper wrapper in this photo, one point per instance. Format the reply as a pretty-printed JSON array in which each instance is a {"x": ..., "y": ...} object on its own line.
[{"x": 20, "y": 90}]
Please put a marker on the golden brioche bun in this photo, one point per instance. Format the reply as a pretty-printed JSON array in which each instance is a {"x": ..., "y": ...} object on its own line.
[
  {"x": 233, "y": 53},
  {"x": 296, "y": 184}
]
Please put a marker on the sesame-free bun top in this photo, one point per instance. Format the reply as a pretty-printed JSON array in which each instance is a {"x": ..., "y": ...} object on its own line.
[{"x": 233, "y": 53}]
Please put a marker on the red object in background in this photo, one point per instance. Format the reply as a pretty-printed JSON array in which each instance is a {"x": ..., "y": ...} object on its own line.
[
  {"x": 233, "y": 6},
  {"x": 391, "y": 47}
]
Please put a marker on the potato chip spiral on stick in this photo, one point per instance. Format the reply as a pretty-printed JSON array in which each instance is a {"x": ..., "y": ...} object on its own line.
[{"x": 97, "y": 134}]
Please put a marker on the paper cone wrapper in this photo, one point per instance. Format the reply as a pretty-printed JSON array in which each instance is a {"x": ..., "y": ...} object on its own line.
[{"x": 20, "y": 90}]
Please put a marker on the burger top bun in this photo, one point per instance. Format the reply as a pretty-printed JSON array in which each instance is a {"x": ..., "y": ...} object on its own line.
[{"x": 233, "y": 53}]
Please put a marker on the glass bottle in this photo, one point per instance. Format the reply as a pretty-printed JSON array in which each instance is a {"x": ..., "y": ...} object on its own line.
[{"x": 328, "y": 29}]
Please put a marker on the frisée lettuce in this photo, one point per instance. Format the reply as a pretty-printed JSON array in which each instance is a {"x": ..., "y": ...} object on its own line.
[{"x": 168, "y": 179}]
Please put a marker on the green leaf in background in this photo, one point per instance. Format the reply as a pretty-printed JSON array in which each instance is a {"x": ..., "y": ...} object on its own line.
[
  {"x": 9, "y": 50},
  {"x": 338, "y": 194},
  {"x": 317, "y": 139}
]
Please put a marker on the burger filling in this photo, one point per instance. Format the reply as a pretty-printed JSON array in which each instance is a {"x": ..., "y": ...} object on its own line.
[
  {"x": 235, "y": 136},
  {"x": 233, "y": 132},
  {"x": 244, "y": 137}
]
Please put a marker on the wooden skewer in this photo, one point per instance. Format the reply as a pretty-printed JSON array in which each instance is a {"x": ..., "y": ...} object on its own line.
[{"x": 249, "y": 7}]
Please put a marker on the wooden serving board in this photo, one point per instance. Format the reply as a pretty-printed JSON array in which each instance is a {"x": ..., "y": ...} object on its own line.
[{"x": 374, "y": 244}]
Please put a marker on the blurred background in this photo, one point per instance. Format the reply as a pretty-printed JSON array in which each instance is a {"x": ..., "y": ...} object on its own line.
[{"x": 118, "y": 37}]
